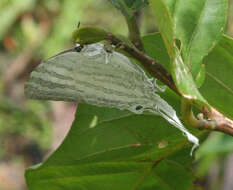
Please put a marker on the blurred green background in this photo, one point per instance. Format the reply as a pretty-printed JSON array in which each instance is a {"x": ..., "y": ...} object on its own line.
[{"x": 33, "y": 30}]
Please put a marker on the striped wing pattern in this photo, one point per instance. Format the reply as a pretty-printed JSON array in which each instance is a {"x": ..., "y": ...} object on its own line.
[
  {"x": 87, "y": 77},
  {"x": 74, "y": 76}
]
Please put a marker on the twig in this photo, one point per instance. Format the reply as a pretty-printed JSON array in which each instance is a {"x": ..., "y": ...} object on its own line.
[
  {"x": 223, "y": 123},
  {"x": 134, "y": 32},
  {"x": 215, "y": 121}
]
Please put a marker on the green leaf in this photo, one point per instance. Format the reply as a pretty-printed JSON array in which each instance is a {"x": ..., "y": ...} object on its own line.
[
  {"x": 155, "y": 48},
  {"x": 218, "y": 85},
  {"x": 198, "y": 25},
  {"x": 190, "y": 30},
  {"x": 111, "y": 149},
  {"x": 128, "y": 7},
  {"x": 184, "y": 80},
  {"x": 88, "y": 35}
]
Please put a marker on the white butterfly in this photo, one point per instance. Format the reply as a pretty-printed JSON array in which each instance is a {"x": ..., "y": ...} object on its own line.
[{"x": 82, "y": 75}]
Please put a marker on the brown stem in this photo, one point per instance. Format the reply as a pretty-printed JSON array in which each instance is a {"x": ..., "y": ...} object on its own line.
[
  {"x": 223, "y": 123},
  {"x": 215, "y": 122}
]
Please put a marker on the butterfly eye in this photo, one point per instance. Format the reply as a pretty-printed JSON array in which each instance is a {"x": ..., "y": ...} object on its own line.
[
  {"x": 138, "y": 107},
  {"x": 78, "y": 48}
]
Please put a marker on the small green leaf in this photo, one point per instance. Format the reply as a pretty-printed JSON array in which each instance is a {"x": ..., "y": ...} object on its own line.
[{"x": 89, "y": 35}]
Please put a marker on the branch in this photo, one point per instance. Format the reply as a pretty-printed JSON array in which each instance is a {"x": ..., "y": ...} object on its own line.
[
  {"x": 215, "y": 120},
  {"x": 223, "y": 123}
]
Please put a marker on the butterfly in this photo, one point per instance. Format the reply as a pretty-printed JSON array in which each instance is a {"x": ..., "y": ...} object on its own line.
[{"x": 91, "y": 75}]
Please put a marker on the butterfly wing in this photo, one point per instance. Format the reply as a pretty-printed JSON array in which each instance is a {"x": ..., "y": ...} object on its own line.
[
  {"x": 53, "y": 79},
  {"x": 81, "y": 77},
  {"x": 86, "y": 77}
]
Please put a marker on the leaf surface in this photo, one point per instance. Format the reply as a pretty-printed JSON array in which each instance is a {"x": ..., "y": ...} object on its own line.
[
  {"x": 218, "y": 85},
  {"x": 112, "y": 149},
  {"x": 197, "y": 24},
  {"x": 190, "y": 30}
]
